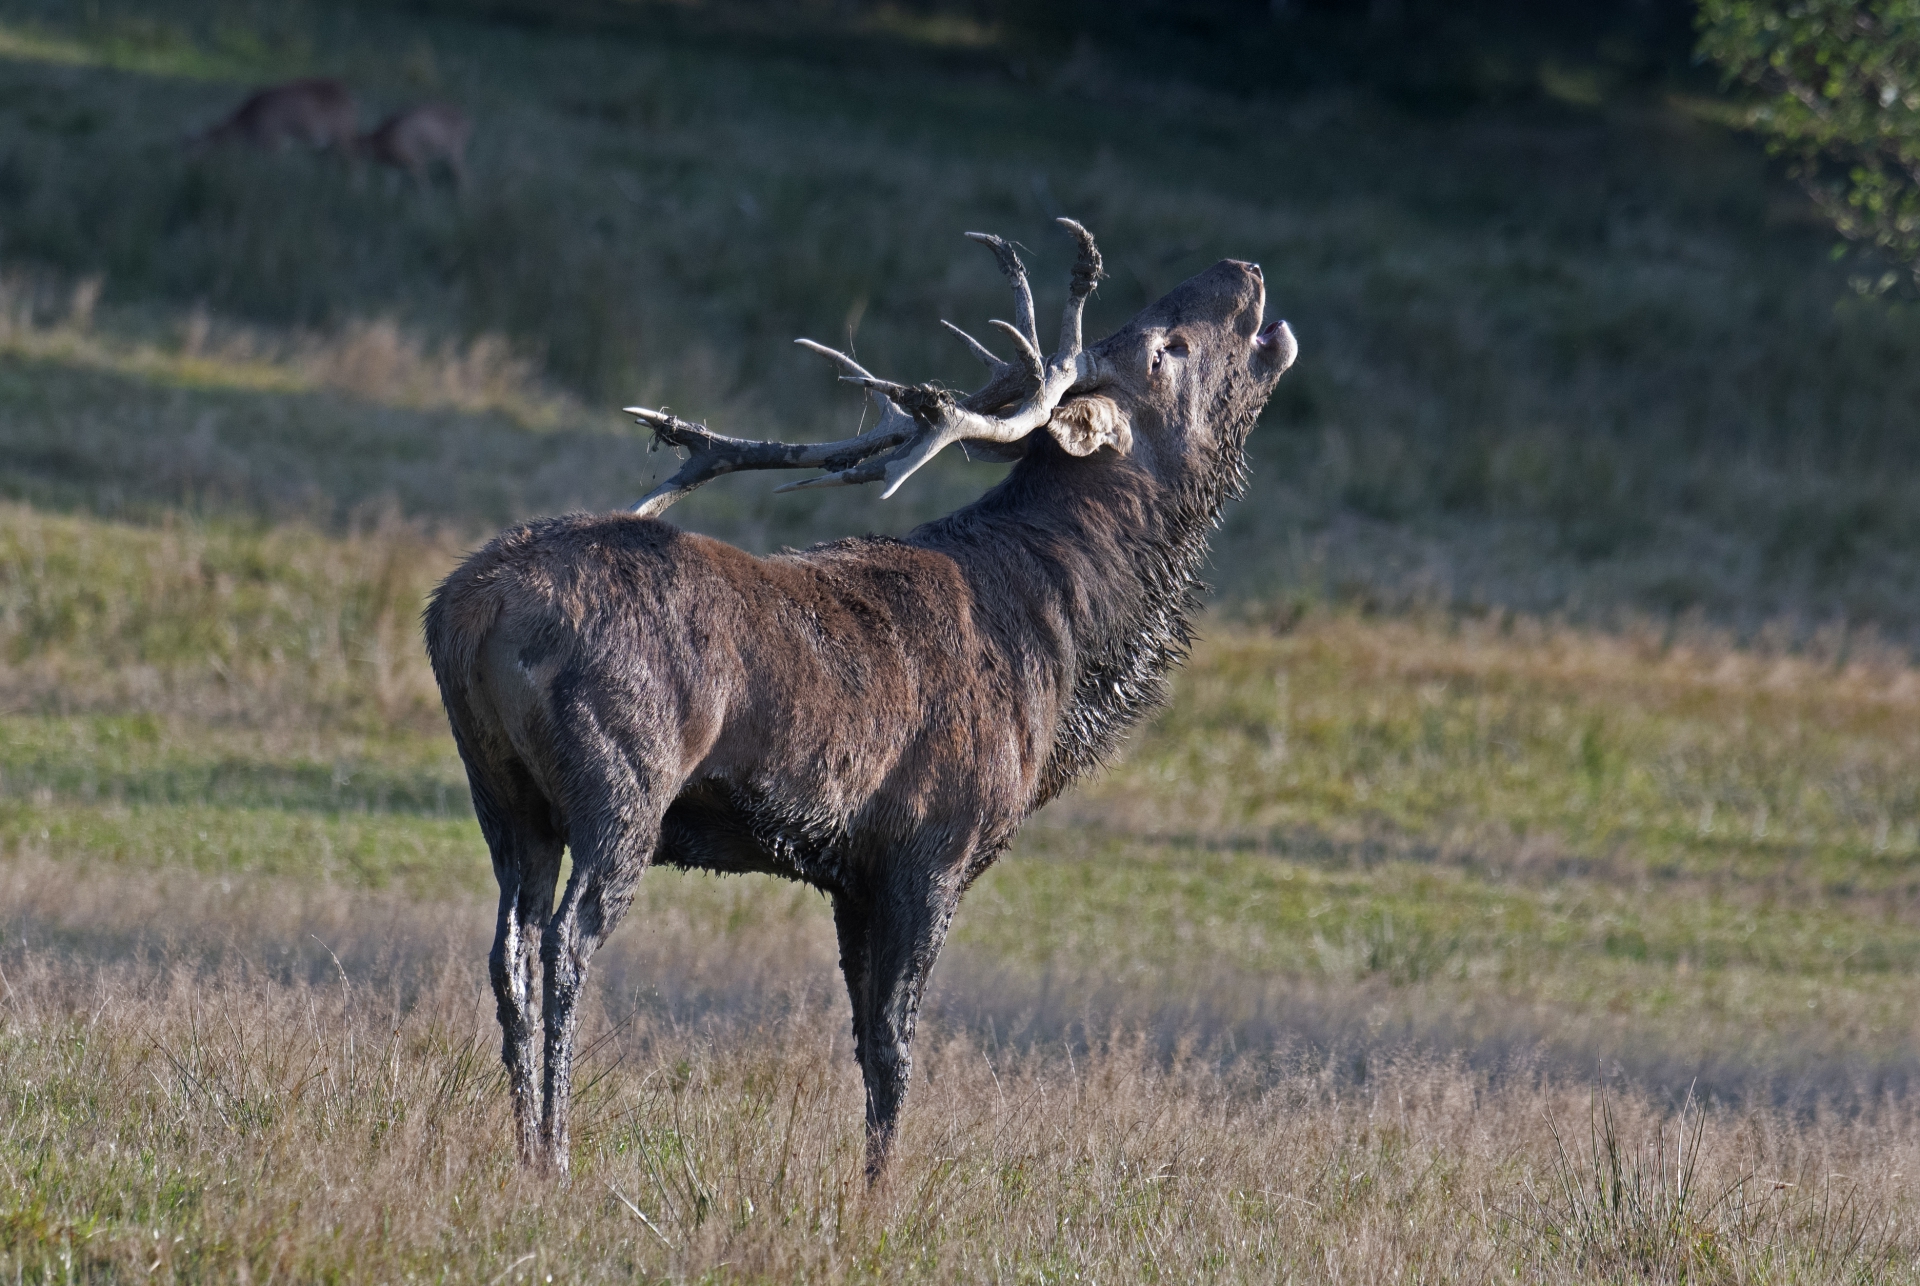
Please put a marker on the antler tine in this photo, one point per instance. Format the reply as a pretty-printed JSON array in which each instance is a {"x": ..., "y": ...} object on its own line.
[
  {"x": 835, "y": 355},
  {"x": 975, "y": 347},
  {"x": 1029, "y": 354},
  {"x": 1016, "y": 274},
  {"x": 867, "y": 471},
  {"x": 1010, "y": 381},
  {"x": 1087, "y": 272}
]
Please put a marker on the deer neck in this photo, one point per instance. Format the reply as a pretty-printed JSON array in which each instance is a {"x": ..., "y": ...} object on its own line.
[{"x": 1115, "y": 558}]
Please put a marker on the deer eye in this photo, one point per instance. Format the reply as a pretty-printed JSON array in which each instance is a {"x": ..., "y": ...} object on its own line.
[{"x": 1176, "y": 347}]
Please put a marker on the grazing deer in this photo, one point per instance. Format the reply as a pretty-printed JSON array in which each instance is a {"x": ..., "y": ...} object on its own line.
[
  {"x": 415, "y": 139},
  {"x": 319, "y": 113},
  {"x": 874, "y": 717}
]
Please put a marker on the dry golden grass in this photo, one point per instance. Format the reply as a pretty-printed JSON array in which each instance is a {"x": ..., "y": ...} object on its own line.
[
  {"x": 375, "y": 360},
  {"x": 197, "y": 1091}
]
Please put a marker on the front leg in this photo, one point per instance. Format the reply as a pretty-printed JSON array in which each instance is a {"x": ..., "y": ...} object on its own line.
[{"x": 890, "y": 931}]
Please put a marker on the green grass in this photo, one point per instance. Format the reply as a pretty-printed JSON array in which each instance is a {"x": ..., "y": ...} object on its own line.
[
  {"x": 1681, "y": 760},
  {"x": 1666, "y": 847}
]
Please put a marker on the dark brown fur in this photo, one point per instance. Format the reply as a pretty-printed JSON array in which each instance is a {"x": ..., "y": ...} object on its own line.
[
  {"x": 317, "y": 112},
  {"x": 875, "y": 717}
]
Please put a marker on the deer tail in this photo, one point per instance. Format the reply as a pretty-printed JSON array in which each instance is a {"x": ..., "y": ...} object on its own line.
[{"x": 460, "y": 614}]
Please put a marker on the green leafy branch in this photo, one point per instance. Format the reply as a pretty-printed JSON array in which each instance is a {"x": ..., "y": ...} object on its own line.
[{"x": 1843, "y": 85}]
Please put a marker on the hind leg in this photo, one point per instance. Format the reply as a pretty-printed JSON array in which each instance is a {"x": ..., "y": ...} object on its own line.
[
  {"x": 598, "y": 895},
  {"x": 614, "y": 814},
  {"x": 526, "y": 863}
]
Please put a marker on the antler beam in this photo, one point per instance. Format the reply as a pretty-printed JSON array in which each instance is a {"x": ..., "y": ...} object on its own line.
[{"x": 917, "y": 421}]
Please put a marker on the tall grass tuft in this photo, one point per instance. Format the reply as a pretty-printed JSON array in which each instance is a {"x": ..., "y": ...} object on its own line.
[
  {"x": 1660, "y": 1209},
  {"x": 1621, "y": 1211}
]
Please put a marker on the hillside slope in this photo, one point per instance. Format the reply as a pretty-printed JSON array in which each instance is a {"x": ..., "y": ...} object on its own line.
[{"x": 1576, "y": 353}]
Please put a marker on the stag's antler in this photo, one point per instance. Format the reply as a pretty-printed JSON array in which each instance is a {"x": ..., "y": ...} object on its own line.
[{"x": 917, "y": 421}]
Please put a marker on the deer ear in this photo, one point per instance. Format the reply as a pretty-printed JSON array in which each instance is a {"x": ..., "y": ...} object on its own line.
[{"x": 1088, "y": 423}]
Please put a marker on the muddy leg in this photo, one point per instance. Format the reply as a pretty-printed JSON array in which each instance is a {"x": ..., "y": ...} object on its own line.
[
  {"x": 889, "y": 937},
  {"x": 526, "y": 863},
  {"x": 597, "y": 897}
]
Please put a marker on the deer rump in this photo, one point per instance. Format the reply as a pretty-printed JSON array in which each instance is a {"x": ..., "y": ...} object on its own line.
[{"x": 872, "y": 716}]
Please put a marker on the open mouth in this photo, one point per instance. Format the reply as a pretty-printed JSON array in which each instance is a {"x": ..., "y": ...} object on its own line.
[{"x": 1275, "y": 344}]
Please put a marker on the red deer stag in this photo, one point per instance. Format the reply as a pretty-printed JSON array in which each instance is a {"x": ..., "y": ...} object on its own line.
[
  {"x": 416, "y": 139},
  {"x": 317, "y": 113},
  {"x": 874, "y": 717}
]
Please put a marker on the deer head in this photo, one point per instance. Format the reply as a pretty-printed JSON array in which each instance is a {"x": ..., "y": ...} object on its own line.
[{"x": 1181, "y": 383}]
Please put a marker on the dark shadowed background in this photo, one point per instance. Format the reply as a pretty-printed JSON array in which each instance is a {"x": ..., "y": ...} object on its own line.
[{"x": 1572, "y": 344}]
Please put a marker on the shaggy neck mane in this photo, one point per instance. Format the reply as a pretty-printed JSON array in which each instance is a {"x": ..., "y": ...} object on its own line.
[{"x": 1120, "y": 556}]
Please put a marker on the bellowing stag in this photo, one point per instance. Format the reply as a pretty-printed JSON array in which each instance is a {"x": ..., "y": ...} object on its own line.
[
  {"x": 316, "y": 112},
  {"x": 420, "y": 137},
  {"x": 874, "y": 717}
]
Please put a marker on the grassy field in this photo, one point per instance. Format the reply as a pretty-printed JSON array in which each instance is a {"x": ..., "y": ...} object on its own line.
[
  {"x": 233, "y": 1125},
  {"x": 1320, "y": 967},
  {"x": 1524, "y": 884}
]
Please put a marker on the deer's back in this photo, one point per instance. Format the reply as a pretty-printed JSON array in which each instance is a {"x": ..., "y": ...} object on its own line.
[{"x": 317, "y": 112}]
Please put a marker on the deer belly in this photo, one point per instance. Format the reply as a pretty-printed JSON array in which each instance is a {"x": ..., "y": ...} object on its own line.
[{"x": 715, "y": 825}]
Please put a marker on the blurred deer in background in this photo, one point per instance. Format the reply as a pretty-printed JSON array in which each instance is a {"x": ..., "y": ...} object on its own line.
[
  {"x": 875, "y": 716},
  {"x": 317, "y": 112},
  {"x": 416, "y": 139}
]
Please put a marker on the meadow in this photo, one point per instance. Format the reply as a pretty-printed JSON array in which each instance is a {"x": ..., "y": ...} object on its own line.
[{"x": 1521, "y": 885}]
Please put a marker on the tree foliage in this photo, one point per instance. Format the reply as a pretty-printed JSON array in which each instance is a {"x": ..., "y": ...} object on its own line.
[{"x": 1842, "y": 79}]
